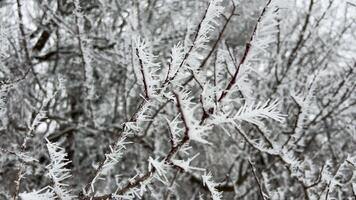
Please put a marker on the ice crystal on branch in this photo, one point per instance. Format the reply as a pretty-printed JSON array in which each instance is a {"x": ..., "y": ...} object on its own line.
[
  {"x": 148, "y": 67},
  {"x": 177, "y": 57},
  {"x": 115, "y": 153},
  {"x": 211, "y": 185},
  {"x": 252, "y": 113},
  {"x": 175, "y": 130},
  {"x": 58, "y": 172},
  {"x": 266, "y": 30},
  {"x": 43, "y": 194},
  {"x": 210, "y": 21},
  {"x": 185, "y": 164},
  {"x": 159, "y": 166},
  {"x": 195, "y": 130}
]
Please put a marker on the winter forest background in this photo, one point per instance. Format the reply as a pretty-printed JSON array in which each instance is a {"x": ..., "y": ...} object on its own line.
[{"x": 177, "y": 99}]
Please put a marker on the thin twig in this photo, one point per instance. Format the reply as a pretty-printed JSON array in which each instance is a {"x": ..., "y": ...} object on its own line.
[{"x": 258, "y": 182}]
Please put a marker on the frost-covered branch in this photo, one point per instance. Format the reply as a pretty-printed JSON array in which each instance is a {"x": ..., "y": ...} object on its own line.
[
  {"x": 148, "y": 68},
  {"x": 261, "y": 37},
  {"x": 58, "y": 172},
  {"x": 208, "y": 182},
  {"x": 252, "y": 114}
]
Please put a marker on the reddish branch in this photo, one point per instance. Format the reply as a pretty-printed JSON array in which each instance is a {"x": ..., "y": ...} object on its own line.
[
  {"x": 299, "y": 43},
  {"x": 245, "y": 54},
  {"x": 143, "y": 74},
  {"x": 220, "y": 35},
  {"x": 186, "y": 56}
]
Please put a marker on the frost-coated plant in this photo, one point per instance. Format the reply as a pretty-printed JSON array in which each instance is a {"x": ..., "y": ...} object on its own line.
[{"x": 177, "y": 99}]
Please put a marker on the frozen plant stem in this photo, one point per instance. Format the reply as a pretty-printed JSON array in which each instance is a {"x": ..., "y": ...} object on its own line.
[
  {"x": 245, "y": 54},
  {"x": 28, "y": 63},
  {"x": 167, "y": 159}
]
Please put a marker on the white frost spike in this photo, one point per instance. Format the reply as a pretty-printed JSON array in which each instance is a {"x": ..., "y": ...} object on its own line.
[
  {"x": 266, "y": 31},
  {"x": 196, "y": 131},
  {"x": 144, "y": 186},
  {"x": 174, "y": 129},
  {"x": 177, "y": 57},
  {"x": 144, "y": 114},
  {"x": 207, "y": 25},
  {"x": 185, "y": 164},
  {"x": 43, "y": 194},
  {"x": 209, "y": 96},
  {"x": 115, "y": 154},
  {"x": 208, "y": 182},
  {"x": 132, "y": 126},
  {"x": 254, "y": 114},
  {"x": 159, "y": 166},
  {"x": 212, "y": 14},
  {"x": 148, "y": 67},
  {"x": 57, "y": 171},
  {"x": 220, "y": 118},
  {"x": 305, "y": 103},
  {"x": 185, "y": 149}
]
